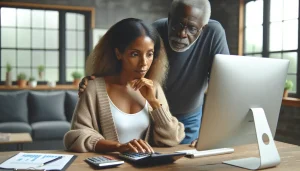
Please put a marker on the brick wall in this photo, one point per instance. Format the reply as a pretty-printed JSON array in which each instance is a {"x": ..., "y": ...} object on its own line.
[
  {"x": 227, "y": 13},
  {"x": 109, "y": 12},
  {"x": 288, "y": 127}
]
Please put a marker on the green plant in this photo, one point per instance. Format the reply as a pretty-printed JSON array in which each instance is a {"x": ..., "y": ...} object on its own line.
[
  {"x": 288, "y": 85},
  {"x": 31, "y": 79},
  {"x": 8, "y": 67},
  {"x": 22, "y": 76},
  {"x": 76, "y": 75},
  {"x": 41, "y": 68}
]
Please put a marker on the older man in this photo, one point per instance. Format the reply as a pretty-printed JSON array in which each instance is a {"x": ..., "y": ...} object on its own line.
[{"x": 191, "y": 40}]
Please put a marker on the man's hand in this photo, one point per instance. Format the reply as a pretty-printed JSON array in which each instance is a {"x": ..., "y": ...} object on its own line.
[
  {"x": 84, "y": 83},
  {"x": 194, "y": 143},
  {"x": 136, "y": 146}
]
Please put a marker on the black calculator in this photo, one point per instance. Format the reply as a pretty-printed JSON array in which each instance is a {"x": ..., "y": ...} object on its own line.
[
  {"x": 103, "y": 162},
  {"x": 135, "y": 156},
  {"x": 151, "y": 159}
]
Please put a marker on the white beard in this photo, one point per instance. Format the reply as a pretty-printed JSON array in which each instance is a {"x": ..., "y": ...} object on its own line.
[{"x": 183, "y": 49}]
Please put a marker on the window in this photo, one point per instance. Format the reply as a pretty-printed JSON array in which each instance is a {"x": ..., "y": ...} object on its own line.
[
  {"x": 253, "y": 28},
  {"x": 56, "y": 39},
  {"x": 271, "y": 30},
  {"x": 75, "y": 57}
]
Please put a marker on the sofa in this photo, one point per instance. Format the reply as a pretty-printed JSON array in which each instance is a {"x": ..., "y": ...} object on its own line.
[{"x": 46, "y": 115}]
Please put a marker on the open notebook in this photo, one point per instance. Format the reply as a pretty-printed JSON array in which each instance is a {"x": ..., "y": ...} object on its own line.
[{"x": 33, "y": 161}]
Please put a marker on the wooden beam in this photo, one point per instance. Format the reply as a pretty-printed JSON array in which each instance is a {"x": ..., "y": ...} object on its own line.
[
  {"x": 57, "y": 7},
  {"x": 241, "y": 28}
]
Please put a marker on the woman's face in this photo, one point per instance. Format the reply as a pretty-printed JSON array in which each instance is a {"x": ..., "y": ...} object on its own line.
[{"x": 137, "y": 57}]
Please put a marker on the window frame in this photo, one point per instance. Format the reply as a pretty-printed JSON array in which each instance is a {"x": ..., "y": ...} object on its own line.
[
  {"x": 266, "y": 36},
  {"x": 89, "y": 24}
]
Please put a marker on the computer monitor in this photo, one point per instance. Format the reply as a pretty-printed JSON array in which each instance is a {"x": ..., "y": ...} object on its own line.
[{"x": 242, "y": 106}]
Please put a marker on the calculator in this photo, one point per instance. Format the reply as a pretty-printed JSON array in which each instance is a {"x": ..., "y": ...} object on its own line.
[
  {"x": 135, "y": 156},
  {"x": 151, "y": 159},
  {"x": 103, "y": 161}
]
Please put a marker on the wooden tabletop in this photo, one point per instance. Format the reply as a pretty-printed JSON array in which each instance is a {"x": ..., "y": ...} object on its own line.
[
  {"x": 290, "y": 159},
  {"x": 15, "y": 138}
]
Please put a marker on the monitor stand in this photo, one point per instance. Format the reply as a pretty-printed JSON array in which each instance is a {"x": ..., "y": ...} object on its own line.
[{"x": 269, "y": 156}]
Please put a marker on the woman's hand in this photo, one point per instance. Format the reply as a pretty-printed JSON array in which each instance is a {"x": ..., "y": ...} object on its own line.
[
  {"x": 137, "y": 146},
  {"x": 146, "y": 87}
]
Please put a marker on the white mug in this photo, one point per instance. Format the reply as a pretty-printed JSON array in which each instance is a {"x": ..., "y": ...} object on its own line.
[{"x": 51, "y": 83}]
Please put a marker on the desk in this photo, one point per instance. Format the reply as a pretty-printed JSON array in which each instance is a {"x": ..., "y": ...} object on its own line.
[
  {"x": 19, "y": 139},
  {"x": 290, "y": 159}
]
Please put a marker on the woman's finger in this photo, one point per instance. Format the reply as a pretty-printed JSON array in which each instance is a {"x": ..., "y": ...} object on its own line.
[
  {"x": 148, "y": 83},
  {"x": 152, "y": 151},
  {"x": 131, "y": 83},
  {"x": 132, "y": 148},
  {"x": 140, "y": 85},
  {"x": 136, "y": 84},
  {"x": 137, "y": 145},
  {"x": 146, "y": 146}
]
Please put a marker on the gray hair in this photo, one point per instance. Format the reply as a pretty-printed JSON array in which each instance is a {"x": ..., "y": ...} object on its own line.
[{"x": 202, "y": 5}]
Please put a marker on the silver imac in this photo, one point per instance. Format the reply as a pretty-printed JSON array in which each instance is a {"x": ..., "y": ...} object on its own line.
[{"x": 242, "y": 107}]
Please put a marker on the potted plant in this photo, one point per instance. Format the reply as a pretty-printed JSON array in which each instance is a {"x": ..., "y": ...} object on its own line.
[
  {"x": 76, "y": 76},
  {"x": 8, "y": 80},
  {"x": 288, "y": 86},
  {"x": 22, "y": 79},
  {"x": 32, "y": 82},
  {"x": 41, "y": 70}
]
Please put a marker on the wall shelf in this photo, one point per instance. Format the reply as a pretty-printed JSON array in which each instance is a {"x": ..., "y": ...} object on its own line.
[{"x": 290, "y": 101}]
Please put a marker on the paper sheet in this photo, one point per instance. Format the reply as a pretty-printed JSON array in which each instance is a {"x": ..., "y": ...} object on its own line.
[{"x": 34, "y": 160}]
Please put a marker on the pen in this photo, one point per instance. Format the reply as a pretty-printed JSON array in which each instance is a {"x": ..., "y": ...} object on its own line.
[
  {"x": 29, "y": 170},
  {"x": 50, "y": 161}
]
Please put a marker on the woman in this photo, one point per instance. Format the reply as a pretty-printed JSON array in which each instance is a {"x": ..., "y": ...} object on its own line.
[{"x": 125, "y": 110}]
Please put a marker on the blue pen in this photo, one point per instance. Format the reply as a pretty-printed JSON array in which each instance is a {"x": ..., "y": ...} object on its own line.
[{"x": 50, "y": 161}]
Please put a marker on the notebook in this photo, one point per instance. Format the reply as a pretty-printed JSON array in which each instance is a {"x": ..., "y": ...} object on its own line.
[{"x": 33, "y": 161}]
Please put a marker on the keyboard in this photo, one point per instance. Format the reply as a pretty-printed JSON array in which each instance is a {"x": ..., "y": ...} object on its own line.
[{"x": 194, "y": 153}]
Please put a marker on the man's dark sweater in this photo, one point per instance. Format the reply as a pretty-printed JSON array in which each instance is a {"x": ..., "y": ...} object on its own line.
[{"x": 189, "y": 71}]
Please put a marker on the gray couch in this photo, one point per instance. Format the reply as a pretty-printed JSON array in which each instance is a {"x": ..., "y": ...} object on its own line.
[{"x": 46, "y": 115}]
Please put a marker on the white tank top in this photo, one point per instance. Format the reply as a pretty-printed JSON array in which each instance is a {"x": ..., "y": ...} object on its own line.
[{"x": 130, "y": 126}]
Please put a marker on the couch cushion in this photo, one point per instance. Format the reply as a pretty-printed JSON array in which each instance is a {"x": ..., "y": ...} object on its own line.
[
  {"x": 13, "y": 106},
  {"x": 46, "y": 106},
  {"x": 15, "y": 127},
  {"x": 50, "y": 130},
  {"x": 71, "y": 101}
]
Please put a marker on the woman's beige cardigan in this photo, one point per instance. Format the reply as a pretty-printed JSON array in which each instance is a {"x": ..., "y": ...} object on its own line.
[{"x": 93, "y": 121}]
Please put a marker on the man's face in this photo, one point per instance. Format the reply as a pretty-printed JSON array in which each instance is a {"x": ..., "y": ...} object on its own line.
[{"x": 184, "y": 27}]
